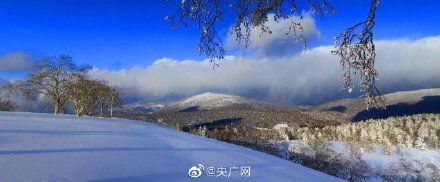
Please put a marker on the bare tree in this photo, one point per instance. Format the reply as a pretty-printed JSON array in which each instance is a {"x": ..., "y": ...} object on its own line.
[
  {"x": 108, "y": 96},
  {"x": 102, "y": 95},
  {"x": 114, "y": 99},
  {"x": 50, "y": 77},
  {"x": 87, "y": 95},
  {"x": 355, "y": 49},
  {"x": 81, "y": 93}
]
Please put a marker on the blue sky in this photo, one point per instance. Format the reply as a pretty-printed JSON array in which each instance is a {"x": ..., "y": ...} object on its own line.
[
  {"x": 96, "y": 32},
  {"x": 132, "y": 35}
]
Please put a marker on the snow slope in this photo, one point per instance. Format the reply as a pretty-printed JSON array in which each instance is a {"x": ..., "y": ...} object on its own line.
[
  {"x": 207, "y": 101},
  {"x": 217, "y": 99},
  {"x": 44, "y": 147},
  {"x": 398, "y": 104},
  {"x": 354, "y": 106},
  {"x": 141, "y": 108},
  {"x": 212, "y": 101}
]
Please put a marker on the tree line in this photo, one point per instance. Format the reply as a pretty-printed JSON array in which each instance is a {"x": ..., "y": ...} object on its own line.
[
  {"x": 69, "y": 87},
  {"x": 420, "y": 131}
]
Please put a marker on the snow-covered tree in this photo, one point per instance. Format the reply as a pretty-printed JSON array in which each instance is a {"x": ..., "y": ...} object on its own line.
[
  {"x": 422, "y": 134},
  {"x": 421, "y": 131}
]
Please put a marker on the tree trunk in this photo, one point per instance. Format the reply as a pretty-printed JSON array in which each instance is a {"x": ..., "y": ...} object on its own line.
[
  {"x": 111, "y": 111},
  {"x": 56, "y": 96},
  {"x": 56, "y": 106},
  {"x": 101, "y": 110}
]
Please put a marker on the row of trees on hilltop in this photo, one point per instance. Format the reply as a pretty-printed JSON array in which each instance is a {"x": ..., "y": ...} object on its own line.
[{"x": 68, "y": 86}]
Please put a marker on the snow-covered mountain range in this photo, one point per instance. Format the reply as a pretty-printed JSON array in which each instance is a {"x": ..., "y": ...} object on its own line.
[
  {"x": 398, "y": 104},
  {"x": 219, "y": 110}
]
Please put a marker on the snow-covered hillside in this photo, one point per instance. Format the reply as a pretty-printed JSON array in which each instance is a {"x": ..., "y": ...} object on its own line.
[
  {"x": 411, "y": 97},
  {"x": 141, "y": 108},
  {"x": 403, "y": 97},
  {"x": 210, "y": 101},
  {"x": 44, "y": 147},
  {"x": 398, "y": 104},
  {"x": 218, "y": 99}
]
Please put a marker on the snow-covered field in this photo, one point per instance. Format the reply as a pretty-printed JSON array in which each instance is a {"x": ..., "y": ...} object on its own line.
[{"x": 44, "y": 147}]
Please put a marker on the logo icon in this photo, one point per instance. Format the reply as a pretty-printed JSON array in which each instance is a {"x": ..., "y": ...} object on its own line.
[
  {"x": 196, "y": 171},
  {"x": 210, "y": 171}
]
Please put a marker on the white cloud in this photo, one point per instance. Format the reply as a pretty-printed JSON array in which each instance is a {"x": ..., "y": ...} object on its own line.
[
  {"x": 414, "y": 62},
  {"x": 15, "y": 62},
  {"x": 309, "y": 77},
  {"x": 279, "y": 43}
]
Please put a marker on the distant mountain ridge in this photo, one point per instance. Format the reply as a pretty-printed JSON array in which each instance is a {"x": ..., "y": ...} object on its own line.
[
  {"x": 210, "y": 101},
  {"x": 141, "y": 108},
  {"x": 209, "y": 107},
  {"x": 398, "y": 104},
  {"x": 219, "y": 110}
]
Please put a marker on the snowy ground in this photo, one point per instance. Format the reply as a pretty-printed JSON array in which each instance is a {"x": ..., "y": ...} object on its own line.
[
  {"x": 378, "y": 159},
  {"x": 44, "y": 147}
]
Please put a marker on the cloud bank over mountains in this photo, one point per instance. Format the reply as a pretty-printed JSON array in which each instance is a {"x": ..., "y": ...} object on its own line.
[
  {"x": 306, "y": 78},
  {"x": 275, "y": 68}
]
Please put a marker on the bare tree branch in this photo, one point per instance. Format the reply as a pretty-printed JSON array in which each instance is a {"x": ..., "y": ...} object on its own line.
[
  {"x": 356, "y": 48},
  {"x": 355, "y": 45},
  {"x": 50, "y": 77},
  {"x": 206, "y": 14}
]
